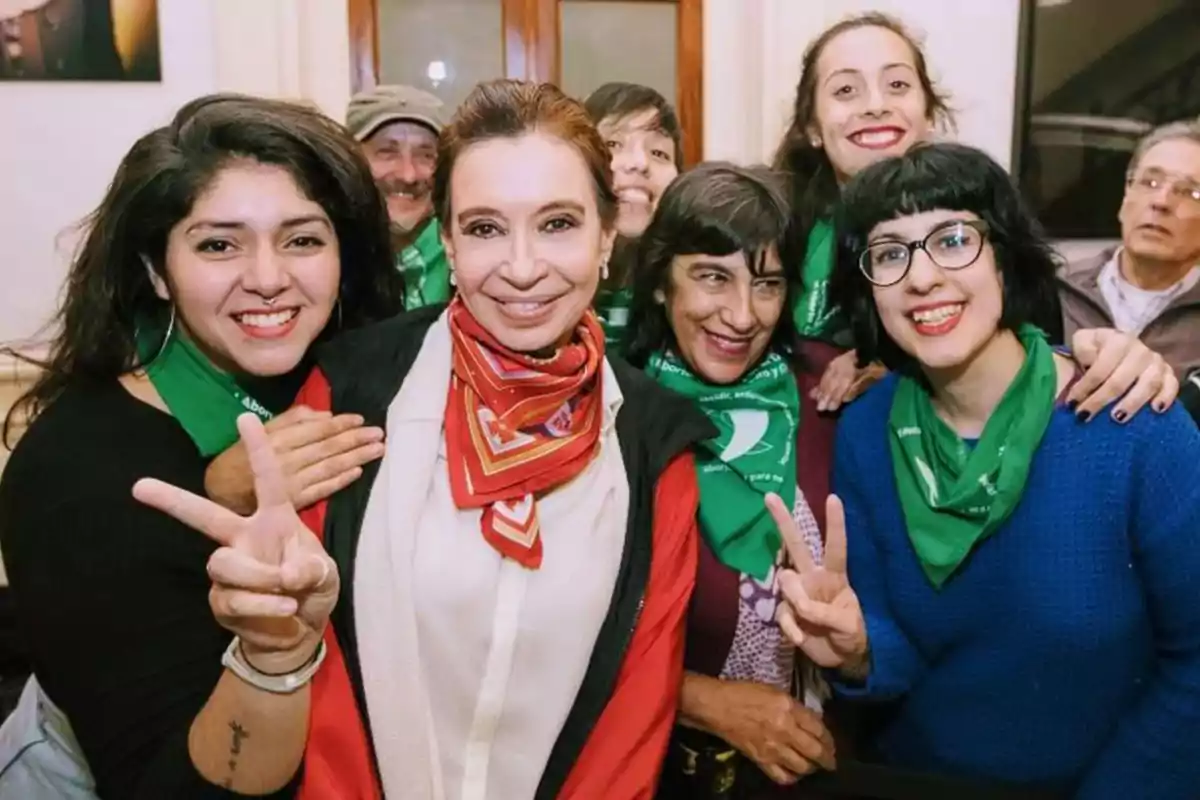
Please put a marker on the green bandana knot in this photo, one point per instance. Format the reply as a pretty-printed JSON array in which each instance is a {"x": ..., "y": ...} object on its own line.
[
  {"x": 754, "y": 453},
  {"x": 204, "y": 400},
  {"x": 953, "y": 495}
]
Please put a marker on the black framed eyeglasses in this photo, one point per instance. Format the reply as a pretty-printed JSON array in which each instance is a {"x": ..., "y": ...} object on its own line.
[{"x": 952, "y": 245}]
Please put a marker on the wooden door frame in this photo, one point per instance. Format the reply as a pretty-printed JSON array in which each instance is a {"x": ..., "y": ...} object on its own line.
[{"x": 531, "y": 52}]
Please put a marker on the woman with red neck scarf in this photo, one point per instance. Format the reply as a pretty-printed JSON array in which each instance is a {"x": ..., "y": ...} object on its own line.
[{"x": 511, "y": 579}]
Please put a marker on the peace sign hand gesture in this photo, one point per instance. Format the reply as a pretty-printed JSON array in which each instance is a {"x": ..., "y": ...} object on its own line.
[
  {"x": 274, "y": 586},
  {"x": 821, "y": 614}
]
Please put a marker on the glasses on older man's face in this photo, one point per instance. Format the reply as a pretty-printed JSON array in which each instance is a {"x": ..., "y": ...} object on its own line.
[
  {"x": 951, "y": 245},
  {"x": 1185, "y": 190}
]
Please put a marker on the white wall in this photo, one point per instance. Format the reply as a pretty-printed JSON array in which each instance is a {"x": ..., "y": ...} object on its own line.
[
  {"x": 752, "y": 63},
  {"x": 59, "y": 146},
  {"x": 61, "y": 142}
]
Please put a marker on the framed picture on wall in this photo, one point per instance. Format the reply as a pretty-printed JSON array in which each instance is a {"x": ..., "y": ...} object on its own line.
[{"x": 79, "y": 40}]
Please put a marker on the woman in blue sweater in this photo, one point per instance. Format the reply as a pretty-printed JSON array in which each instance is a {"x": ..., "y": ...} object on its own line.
[{"x": 1025, "y": 587}]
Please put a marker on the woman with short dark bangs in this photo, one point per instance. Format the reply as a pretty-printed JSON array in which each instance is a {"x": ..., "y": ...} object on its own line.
[{"x": 1022, "y": 584}]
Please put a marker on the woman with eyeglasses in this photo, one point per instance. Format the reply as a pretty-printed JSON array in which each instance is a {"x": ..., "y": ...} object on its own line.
[{"x": 1022, "y": 586}]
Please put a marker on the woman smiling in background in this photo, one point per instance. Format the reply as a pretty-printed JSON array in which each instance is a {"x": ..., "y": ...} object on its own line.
[
  {"x": 643, "y": 135},
  {"x": 865, "y": 94}
]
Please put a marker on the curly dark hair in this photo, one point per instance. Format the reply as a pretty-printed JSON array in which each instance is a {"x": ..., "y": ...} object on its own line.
[
  {"x": 716, "y": 208},
  {"x": 108, "y": 289},
  {"x": 951, "y": 177}
]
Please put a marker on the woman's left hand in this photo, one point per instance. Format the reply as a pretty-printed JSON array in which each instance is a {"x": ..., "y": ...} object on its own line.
[
  {"x": 843, "y": 381},
  {"x": 1119, "y": 365}
]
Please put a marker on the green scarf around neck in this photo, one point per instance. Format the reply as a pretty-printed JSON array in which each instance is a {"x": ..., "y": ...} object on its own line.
[
  {"x": 754, "y": 453},
  {"x": 953, "y": 495},
  {"x": 425, "y": 268},
  {"x": 812, "y": 313},
  {"x": 206, "y": 401}
]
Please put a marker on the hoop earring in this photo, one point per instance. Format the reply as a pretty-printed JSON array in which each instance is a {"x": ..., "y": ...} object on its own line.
[
  {"x": 167, "y": 337},
  {"x": 341, "y": 324}
]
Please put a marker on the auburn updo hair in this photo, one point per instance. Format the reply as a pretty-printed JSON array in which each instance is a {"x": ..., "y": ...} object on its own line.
[{"x": 507, "y": 109}]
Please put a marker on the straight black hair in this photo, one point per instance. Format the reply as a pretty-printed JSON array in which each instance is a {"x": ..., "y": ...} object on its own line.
[
  {"x": 621, "y": 100},
  {"x": 716, "y": 208},
  {"x": 950, "y": 177}
]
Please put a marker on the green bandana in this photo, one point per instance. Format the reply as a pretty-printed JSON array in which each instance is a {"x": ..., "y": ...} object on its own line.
[
  {"x": 812, "y": 314},
  {"x": 202, "y": 398},
  {"x": 953, "y": 495},
  {"x": 612, "y": 307},
  {"x": 425, "y": 268},
  {"x": 754, "y": 453}
]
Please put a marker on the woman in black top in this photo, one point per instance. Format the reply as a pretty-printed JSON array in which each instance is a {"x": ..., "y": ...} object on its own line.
[{"x": 228, "y": 243}]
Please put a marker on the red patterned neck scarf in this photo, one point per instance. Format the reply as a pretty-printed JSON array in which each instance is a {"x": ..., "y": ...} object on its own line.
[{"x": 517, "y": 426}]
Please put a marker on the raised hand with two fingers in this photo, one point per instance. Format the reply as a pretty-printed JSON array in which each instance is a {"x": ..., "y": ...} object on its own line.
[
  {"x": 273, "y": 584},
  {"x": 820, "y": 612}
]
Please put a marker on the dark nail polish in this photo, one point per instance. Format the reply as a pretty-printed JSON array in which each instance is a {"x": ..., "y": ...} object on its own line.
[
  {"x": 1120, "y": 416},
  {"x": 1083, "y": 416},
  {"x": 1072, "y": 404},
  {"x": 1159, "y": 407}
]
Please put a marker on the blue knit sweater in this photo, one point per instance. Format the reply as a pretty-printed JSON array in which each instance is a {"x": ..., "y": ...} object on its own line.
[{"x": 1066, "y": 650}]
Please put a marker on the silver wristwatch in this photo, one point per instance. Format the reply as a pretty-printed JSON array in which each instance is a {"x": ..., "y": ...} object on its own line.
[{"x": 287, "y": 683}]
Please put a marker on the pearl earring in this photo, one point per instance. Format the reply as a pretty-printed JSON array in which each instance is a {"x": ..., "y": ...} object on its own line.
[
  {"x": 604, "y": 270},
  {"x": 453, "y": 282}
]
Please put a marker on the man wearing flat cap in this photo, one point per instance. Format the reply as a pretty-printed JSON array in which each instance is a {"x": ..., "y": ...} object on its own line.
[{"x": 398, "y": 128}]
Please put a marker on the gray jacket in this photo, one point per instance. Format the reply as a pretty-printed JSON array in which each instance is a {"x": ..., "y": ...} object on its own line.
[{"x": 1174, "y": 334}]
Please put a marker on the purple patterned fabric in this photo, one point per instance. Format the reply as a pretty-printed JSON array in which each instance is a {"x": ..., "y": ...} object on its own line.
[{"x": 760, "y": 652}]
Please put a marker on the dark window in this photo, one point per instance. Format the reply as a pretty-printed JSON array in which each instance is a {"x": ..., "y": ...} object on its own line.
[{"x": 1098, "y": 74}]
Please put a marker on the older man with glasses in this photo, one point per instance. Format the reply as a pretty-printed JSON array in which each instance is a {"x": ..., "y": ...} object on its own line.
[{"x": 1150, "y": 285}]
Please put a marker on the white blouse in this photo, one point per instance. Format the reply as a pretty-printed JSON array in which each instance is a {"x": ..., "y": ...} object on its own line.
[{"x": 500, "y": 650}]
